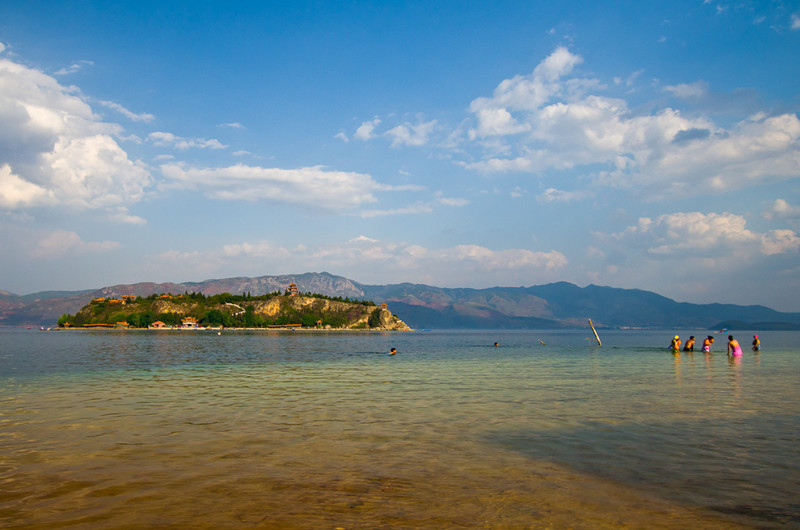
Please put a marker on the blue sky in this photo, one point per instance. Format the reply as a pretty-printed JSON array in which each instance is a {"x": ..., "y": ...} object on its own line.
[{"x": 460, "y": 144}]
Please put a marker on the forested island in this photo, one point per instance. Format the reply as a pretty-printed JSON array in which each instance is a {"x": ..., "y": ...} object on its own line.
[{"x": 290, "y": 309}]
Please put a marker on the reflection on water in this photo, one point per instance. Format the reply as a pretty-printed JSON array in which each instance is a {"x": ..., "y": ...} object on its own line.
[{"x": 307, "y": 430}]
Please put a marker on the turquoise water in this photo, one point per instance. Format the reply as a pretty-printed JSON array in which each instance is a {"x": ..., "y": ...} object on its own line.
[{"x": 111, "y": 429}]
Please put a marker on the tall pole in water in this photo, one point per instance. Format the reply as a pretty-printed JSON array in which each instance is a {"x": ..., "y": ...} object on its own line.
[{"x": 595, "y": 333}]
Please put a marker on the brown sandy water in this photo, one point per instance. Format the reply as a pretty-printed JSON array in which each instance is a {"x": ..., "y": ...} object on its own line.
[{"x": 312, "y": 432}]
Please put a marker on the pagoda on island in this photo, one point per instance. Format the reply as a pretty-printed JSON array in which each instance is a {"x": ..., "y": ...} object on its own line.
[{"x": 292, "y": 290}]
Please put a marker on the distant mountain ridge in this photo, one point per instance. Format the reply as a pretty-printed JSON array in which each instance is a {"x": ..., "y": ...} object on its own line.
[{"x": 555, "y": 305}]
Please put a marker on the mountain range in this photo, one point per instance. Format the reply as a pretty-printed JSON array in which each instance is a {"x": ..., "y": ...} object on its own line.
[{"x": 550, "y": 306}]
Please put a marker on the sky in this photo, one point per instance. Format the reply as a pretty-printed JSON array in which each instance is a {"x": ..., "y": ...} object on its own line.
[{"x": 648, "y": 145}]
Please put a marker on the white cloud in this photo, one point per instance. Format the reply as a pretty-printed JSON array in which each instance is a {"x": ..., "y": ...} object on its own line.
[
  {"x": 342, "y": 136},
  {"x": 89, "y": 170},
  {"x": 527, "y": 92},
  {"x": 700, "y": 258},
  {"x": 55, "y": 151},
  {"x": 363, "y": 239},
  {"x": 73, "y": 68},
  {"x": 452, "y": 201},
  {"x": 232, "y": 125},
  {"x": 713, "y": 235},
  {"x": 779, "y": 242},
  {"x": 795, "y": 21},
  {"x": 420, "y": 207},
  {"x": 688, "y": 90},
  {"x": 556, "y": 195},
  {"x": 2, "y": 47},
  {"x": 781, "y": 209},
  {"x": 365, "y": 130},
  {"x": 566, "y": 126},
  {"x": 315, "y": 187},
  {"x": 506, "y": 259},
  {"x": 145, "y": 117},
  {"x": 414, "y": 209},
  {"x": 257, "y": 249},
  {"x": 162, "y": 139},
  {"x": 15, "y": 192},
  {"x": 122, "y": 216},
  {"x": 64, "y": 243},
  {"x": 494, "y": 121},
  {"x": 412, "y": 135}
]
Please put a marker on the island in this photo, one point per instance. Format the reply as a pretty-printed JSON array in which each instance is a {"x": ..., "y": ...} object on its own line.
[{"x": 288, "y": 310}]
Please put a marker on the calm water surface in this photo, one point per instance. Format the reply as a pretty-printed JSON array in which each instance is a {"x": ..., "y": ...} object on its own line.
[{"x": 121, "y": 429}]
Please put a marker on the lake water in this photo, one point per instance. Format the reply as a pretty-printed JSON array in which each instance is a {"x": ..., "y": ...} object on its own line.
[{"x": 191, "y": 429}]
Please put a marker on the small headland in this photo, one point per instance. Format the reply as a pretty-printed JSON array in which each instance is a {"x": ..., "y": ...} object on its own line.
[{"x": 273, "y": 311}]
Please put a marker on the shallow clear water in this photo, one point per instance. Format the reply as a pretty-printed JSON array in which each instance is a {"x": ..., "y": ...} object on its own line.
[{"x": 102, "y": 429}]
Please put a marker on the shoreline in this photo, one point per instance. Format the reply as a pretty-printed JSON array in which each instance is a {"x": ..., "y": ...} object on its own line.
[{"x": 220, "y": 330}]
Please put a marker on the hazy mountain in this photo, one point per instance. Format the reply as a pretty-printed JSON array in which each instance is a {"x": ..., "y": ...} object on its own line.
[{"x": 553, "y": 305}]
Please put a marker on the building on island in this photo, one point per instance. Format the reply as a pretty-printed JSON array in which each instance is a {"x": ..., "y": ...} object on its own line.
[
  {"x": 189, "y": 323},
  {"x": 157, "y": 325},
  {"x": 292, "y": 290}
]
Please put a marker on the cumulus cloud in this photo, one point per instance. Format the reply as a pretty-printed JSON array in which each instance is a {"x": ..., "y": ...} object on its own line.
[
  {"x": 695, "y": 234},
  {"x": 366, "y": 130},
  {"x": 780, "y": 209},
  {"x": 521, "y": 93},
  {"x": 315, "y": 187},
  {"x": 15, "y": 191},
  {"x": 412, "y": 135},
  {"x": 552, "y": 120},
  {"x": 64, "y": 243},
  {"x": 121, "y": 215},
  {"x": 54, "y": 150},
  {"x": 165, "y": 139}
]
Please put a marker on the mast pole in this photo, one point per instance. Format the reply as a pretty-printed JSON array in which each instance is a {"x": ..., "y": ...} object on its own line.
[{"x": 595, "y": 333}]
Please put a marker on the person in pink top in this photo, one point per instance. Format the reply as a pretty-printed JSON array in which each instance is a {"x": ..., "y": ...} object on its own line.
[{"x": 733, "y": 347}]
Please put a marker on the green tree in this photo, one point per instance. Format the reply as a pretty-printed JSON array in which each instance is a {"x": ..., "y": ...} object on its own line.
[
  {"x": 375, "y": 318},
  {"x": 213, "y": 317}
]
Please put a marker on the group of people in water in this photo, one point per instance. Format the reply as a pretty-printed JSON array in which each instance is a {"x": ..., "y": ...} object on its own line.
[{"x": 734, "y": 348}]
